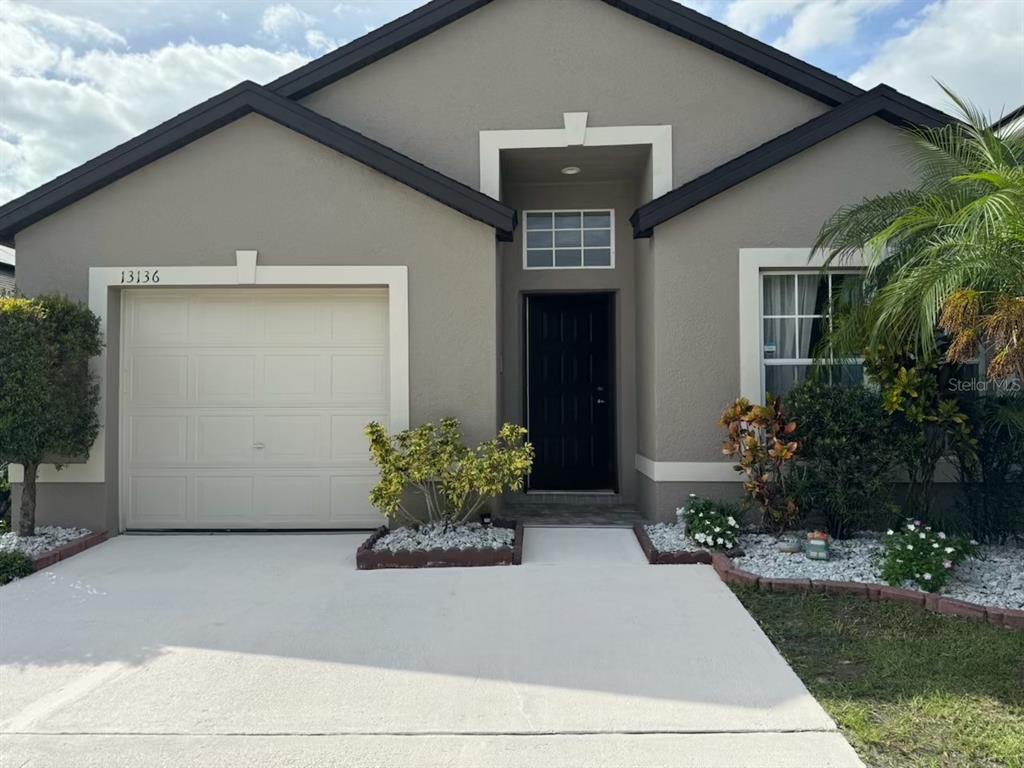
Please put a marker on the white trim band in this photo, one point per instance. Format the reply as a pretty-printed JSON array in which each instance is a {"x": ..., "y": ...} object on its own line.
[
  {"x": 576, "y": 133},
  {"x": 244, "y": 273},
  {"x": 687, "y": 471}
]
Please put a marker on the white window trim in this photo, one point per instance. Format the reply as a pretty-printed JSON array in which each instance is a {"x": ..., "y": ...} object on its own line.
[
  {"x": 244, "y": 273},
  {"x": 609, "y": 211},
  {"x": 576, "y": 133},
  {"x": 752, "y": 262}
]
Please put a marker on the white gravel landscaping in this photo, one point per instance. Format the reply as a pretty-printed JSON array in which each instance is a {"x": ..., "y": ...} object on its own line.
[
  {"x": 995, "y": 577},
  {"x": 471, "y": 536},
  {"x": 47, "y": 537}
]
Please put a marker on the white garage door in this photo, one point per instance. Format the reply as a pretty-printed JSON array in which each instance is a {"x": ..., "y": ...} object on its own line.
[{"x": 245, "y": 408}]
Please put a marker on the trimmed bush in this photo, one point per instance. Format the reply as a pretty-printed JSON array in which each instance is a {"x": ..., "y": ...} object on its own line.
[
  {"x": 14, "y": 565},
  {"x": 844, "y": 476}
]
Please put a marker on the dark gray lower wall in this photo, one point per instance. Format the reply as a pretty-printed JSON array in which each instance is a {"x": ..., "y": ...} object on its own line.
[
  {"x": 659, "y": 501},
  {"x": 75, "y": 505}
]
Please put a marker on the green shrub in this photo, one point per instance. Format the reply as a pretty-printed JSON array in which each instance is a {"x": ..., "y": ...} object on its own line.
[
  {"x": 710, "y": 523},
  {"x": 14, "y": 564},
  {"x": 453, "y": 480},
  {"x": 916, "y": 553},
  {"x": 845, "y": 468},
  {"x": 48, "y": 396},
  {"x": 990, "y": 505}
]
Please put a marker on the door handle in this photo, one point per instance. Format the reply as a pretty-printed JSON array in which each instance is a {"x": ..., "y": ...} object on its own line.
[
  {"x": 259, "y": 446},
  {"x": 600, "y": 401}
]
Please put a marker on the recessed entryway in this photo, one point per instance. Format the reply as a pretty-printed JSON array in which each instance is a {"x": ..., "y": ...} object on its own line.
[{"x": 570, "y": 394}]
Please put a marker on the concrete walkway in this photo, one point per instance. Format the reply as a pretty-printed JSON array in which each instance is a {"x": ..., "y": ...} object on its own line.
[{"x": 275, "y": 651}]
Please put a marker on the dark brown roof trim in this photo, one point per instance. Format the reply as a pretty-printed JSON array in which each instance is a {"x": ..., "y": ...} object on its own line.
[
  {"x": 1008, "y": 118},
  {"x": 666, "y": 14},
  {"x": 225, "y": 108},
  {"x": 881, "y": 101}
]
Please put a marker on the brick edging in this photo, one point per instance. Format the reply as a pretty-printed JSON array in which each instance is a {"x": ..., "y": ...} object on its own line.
[
  {"x": 52, "y": 556},
  {"x": 1008, "y": 618},
  {"x": 368, "y": 559}
]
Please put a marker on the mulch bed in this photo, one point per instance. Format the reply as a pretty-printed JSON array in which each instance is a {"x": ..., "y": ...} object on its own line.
[{"x": 367, "y": 558}]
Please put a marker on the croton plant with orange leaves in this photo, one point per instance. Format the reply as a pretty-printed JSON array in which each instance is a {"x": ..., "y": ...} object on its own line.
[{"x": 760, "y": 438}]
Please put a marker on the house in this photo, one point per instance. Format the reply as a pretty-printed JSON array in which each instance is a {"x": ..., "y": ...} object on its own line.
[
  {"x": 6, "y": 270},
  {"x": 591, "y": 217}
]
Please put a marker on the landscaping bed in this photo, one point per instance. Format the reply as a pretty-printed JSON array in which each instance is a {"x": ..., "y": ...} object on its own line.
[
  {"x": 908, "y": 688},
  {"x": 438, "y": 546},
  {"x": 994, "y": 578},
  {"x": 51, "y": 544}
]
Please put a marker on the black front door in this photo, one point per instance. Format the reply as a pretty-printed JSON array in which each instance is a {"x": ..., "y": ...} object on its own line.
[{"x": 570, "y": 404}]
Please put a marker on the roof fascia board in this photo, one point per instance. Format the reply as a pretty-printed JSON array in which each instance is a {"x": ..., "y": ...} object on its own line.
[{"x": 876, "y": 102}]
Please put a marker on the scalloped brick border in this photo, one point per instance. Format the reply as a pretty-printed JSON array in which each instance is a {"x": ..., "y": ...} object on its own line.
[
  {"x": 367, "y": 559},
  {"x": 72, "y": 548},
  {"x": 947, "y": 606},
  {"x": 657, "y": 557}
]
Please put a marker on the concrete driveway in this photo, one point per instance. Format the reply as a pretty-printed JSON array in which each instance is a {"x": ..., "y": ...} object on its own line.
[{"x": 274, "y": 651}]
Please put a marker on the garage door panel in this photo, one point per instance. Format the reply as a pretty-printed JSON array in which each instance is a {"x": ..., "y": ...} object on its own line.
[
  {"x": 290, "y": 438},
  {"x": 158, "y": 378},
  {"x": 159, "y": 501},
  {"x": 294, "y": 377},
  {"x": 361, "y": 321},
  {"x": 297, "y": 499},
  {"x": 224, "y": 499},
  {"x": 348, "y": 440},
  {"x": 246, "y": 407},
  {"x": 359, "y": 378},
  {"x": 225, "y": 439},
  {"x": 158, "y": 439},
  {"x": 225, "y": 378},
  {"x": 223, "y": 319}
]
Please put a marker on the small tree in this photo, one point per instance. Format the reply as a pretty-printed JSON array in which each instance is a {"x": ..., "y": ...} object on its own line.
[
  {"x": 48, "y": 397},
  {"x": 454, "y": 480}
]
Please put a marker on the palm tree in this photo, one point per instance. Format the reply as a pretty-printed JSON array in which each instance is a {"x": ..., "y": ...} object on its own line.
[{"x": 945, "y": 261}]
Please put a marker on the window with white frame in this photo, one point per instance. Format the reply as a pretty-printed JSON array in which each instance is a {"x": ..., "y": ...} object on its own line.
[
  {"x": 796, "y": 314},
  {"x": 569, "y": 239}
]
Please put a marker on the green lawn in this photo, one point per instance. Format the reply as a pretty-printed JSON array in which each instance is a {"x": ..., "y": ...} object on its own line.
[{"x": 908, "y": 687}]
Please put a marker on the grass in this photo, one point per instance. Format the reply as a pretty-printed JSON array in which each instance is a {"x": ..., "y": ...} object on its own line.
[{"x": 909, "y": 688}]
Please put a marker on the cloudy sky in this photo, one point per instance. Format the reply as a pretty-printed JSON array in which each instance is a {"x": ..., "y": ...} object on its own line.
[{"x": 78, "y": 77}]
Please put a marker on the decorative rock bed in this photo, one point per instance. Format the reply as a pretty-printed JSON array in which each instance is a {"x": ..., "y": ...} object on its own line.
[
  {"x": 987, "y": 588},
  {"x": 431, "y": 546},
  {"x": 51, "y": 544}
]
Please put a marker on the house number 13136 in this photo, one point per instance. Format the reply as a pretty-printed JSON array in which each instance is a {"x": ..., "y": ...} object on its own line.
[{"x": 139, "y": 276}]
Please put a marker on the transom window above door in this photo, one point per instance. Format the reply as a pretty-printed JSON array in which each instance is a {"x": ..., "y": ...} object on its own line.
[{"x": 569, "y": 239}]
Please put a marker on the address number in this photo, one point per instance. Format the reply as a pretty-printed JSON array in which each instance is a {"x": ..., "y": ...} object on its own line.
[{"x": 139, "y": 276}]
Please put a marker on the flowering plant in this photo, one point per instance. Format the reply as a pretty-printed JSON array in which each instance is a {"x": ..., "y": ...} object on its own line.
[
  {"x": 916, "y": 553},
  {"x": 710, "y": 524}
]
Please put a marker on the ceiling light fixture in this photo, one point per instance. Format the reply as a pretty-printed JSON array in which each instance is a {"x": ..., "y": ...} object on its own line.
[{"x": 570, "y": 170}]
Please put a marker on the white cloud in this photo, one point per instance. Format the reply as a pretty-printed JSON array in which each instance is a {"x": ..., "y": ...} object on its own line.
[
  {"x": 283, "y": 18},
  {"x": 753, "y": 16},
  {"x": 76, "y": 27},
  {"x": 976, "y": 48},
  {"x": 86, "y": 104},
  {"x": 819, "y": 24}
]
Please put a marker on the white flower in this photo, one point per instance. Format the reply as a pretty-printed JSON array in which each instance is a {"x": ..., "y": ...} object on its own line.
[
  {"x": 922, "y": 535},
  {"x": 974, "y": 543},
  {"x": 732, "y": 522},
  {"x": 941, "y": 535},
  {"x": 889, "y": 532},
  {"x": 935, "y": 545},
  {"x": 910, "y": 546},
  {"x": 910, "y": 526},
  {"x": 717, "y": 529},
  {"x": 927, "y": 577},
  {"x": 949, "y": 550},
  {"x": 720, "y": 541},
  {"x": 693, "y": 495}
]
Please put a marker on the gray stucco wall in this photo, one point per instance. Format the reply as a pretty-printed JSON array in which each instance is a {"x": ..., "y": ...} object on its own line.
[
  {"x": 516, "y": 282},
  {"x": 256, "y": 185},
  {"x": 520, "y": 64},
  {"x": 696, "y": 273}
]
